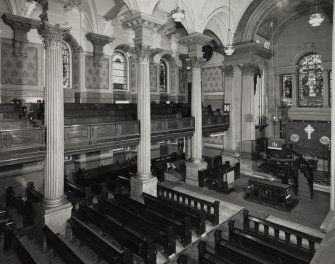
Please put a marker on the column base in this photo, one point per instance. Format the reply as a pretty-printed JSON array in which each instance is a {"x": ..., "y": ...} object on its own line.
[
  {"x": 192, "y": 172},
  {"x": 328, "y": 222},
  {"x": 54, "y": 217},
  {"x": 139, "y": 186}
]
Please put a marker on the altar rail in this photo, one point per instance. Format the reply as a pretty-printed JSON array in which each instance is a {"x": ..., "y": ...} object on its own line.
[
  {"x": 301, "y": 241},
  {"x": 210, "y": 209}
]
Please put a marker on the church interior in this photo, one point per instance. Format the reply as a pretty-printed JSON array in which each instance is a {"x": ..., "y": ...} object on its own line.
[{"x": 167, "y": 131}]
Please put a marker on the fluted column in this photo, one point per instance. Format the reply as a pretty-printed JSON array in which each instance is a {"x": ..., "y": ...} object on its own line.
[
  {"x": 195, "y": 42},
  {"x": 143, "y": 26},
  {"x": 142, "y": 54},
  {"x": 332, "y": 144},
  {"x": 196, "y": 109},
  {"x": 54, "y": 114}
]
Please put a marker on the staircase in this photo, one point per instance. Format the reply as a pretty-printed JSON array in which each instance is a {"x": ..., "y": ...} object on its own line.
[{"x": 303, "y": 191}]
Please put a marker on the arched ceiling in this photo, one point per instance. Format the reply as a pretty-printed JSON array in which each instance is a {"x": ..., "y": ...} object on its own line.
[{"x": 266, "y": 18}]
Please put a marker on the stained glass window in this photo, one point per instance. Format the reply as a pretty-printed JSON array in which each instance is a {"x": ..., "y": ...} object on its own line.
[
  {"x": 67, "y": 60},
  {"x": 287, "y": 89},
  {"x": 310, "y": 81},
  {"x": 119, "y": 71},
  {"x": 163, "y": 72}
]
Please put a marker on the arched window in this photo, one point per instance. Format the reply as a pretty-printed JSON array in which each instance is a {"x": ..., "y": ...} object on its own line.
[
  {"x": 67, "y": 65},
  {"x": 163, "y": 76},
  {"x": 310, "y": 81},
  {"x": 119, "y": 71}
]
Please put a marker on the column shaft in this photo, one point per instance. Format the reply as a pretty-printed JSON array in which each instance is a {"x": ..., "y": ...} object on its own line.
[
  {"x": 54, "y": 121},
  {"x": 196, "y": 109},
  {"x": 332, "y": 144},
  {"x": 144, "y": 115}
]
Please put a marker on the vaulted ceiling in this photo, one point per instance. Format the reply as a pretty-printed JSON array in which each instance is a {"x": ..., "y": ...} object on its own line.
[{"x": 250, "y": 19}]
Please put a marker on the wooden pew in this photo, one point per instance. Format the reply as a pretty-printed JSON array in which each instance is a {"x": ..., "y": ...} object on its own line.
[
  {"x": 230, "y": 252},
  {"x": 165, "y": 237},
  {"x": 74, "y": 193},
  {"x": 102, "y": 247},
  {"x": 260, "y": 228},
  {"x": 207, "y": 257},
  {"x": 183, "y": 229},
  {"x": 60, "y": 248},
  {"x": 197, "y": 219},
  {"x": 33, "y": 196},
  {"x": 7, "y": 227},
  {"x": 23, "y": 207},
  {"x": 272, "y": 252},
  {"x": 183, "y": 200},
  {"x": 144, "y": 246}
]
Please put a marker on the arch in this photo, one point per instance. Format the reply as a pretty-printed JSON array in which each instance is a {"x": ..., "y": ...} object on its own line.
[
  {"x": 164, "y": 73},
  {"x": 310, "y": 89},
  {"x": 120, "y": 70},
  {"x": 67, "y": 60},
  {"x": 309, "y": 48}
]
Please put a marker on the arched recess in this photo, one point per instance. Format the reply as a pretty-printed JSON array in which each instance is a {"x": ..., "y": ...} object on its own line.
[
  {"x": 75, "y": 60},
  {"x": 173, "y": 72},
  {"x": 125, "y": 50}
]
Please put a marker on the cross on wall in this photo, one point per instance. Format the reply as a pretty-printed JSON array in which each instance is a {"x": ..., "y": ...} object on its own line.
[{"x": 309, "y": 130}]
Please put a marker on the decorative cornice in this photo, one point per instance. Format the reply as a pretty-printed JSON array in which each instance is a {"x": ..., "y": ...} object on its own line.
[
  {"x": 249, "y": 49},
  {"x": 19, "y": 22},
  {"x": 142, "y": 20},
  {"x": 195, "y": 39},
  {"x": 52, "y": 35},
  {"x": 249, "y": 69},
  {"x": 21, "y": 26},
  {"x": 98, "y": 39}
]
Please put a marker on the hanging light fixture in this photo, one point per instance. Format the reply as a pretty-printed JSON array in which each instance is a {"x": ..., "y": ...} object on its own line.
[
  {"x": 316, "y": 18},
  {"x": 229, "y": 49},
  {"x": 178, "y": 14}
]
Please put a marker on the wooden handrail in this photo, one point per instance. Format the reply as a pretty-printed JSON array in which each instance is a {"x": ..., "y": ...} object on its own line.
[{"x": 210, "y": 209}]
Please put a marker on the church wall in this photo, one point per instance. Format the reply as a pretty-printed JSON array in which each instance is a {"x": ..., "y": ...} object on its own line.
[
  {"x": 90, "y": 84},
  {"x": 293, "y": 42}
]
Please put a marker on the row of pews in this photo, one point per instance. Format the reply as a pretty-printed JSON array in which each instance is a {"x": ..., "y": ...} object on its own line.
[
  {"x": 259, "y": 242},
  {"x": 25, "y": 207},
  {"x": 120, "y": 230}
]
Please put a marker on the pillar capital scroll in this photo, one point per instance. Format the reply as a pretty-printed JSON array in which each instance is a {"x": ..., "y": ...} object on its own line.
[
  {"x": 143, "y": 53},
  {"x": 196, "y": 62},
  {"x": 53, "y": 35}
]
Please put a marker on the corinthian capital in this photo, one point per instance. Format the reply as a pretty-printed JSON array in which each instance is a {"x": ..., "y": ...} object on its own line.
[
  {"x": 196, "y": 62},
  {"x": 142, "y": 52},
  {"x": 52, "y": 35}
]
